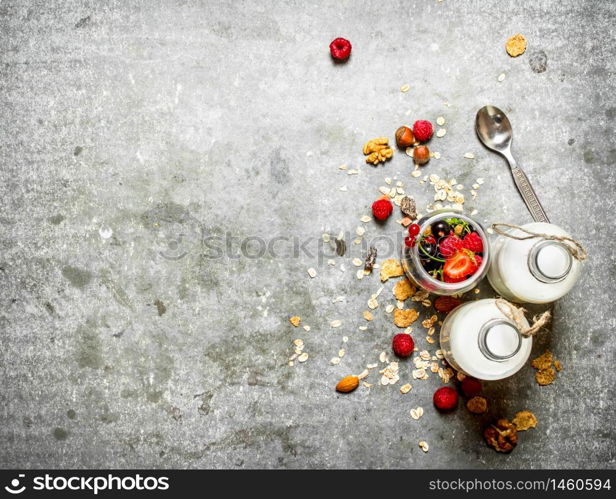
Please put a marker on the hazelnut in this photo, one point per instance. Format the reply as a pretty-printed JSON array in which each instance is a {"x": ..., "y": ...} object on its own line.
[
  {"x": 404, "y": 137},
  {"x": 421, "y": 155}
]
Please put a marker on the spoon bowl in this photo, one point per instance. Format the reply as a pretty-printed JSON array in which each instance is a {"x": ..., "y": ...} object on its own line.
[{"x": 493, "y": 128}]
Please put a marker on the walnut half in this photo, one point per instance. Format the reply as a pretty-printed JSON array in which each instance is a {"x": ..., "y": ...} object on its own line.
[
  {"x": 502, "y": 435},
  {"x": 378, "y": 150}
]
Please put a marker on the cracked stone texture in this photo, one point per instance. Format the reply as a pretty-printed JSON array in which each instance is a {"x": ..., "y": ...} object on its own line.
[{"x": 137, "y": 137}]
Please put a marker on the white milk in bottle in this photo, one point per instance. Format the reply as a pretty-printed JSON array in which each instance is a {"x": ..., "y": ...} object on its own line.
[
  {"x": 534, "y": 270},
  {"x": 478, "y": 339}
]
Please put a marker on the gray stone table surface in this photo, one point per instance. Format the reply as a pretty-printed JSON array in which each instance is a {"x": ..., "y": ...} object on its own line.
[{"x": 142, "y": 142}]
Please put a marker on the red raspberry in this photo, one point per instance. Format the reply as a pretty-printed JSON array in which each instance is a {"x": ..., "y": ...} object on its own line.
[
  {"x": 340, "y": 49},
  {"x": 470, "y": 387},
  {"x": 422, "y": 130},
  {"x": 449, "y": 245},
  {"x": 473, "y": 242},
  {"x": 446, "y": 303},
  {"x": 478, "y": 260},
  {"x": 382, "y": 208},
  {"x": 402, "y": 345},
  {"x": 445, "y": 399}
]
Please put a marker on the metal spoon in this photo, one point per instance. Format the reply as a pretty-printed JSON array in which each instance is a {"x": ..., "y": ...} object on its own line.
[{"x": 494, "y": 130}]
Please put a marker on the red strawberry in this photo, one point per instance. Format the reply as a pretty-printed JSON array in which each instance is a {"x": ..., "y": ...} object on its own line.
[
  {"x": 449, "y": 245},
  {"x": 473, "y": 242},
  {"x": 446, "y": 303},
  {"x": 459, "y": 266},
  {"x": 478, "y": 260},
  {"x": 402, "y": 344},
  {"x": 445, "y": 398},
  {"x": 382, "y": 208}
]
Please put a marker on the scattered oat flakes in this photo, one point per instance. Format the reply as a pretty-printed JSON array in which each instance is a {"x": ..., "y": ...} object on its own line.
[
  {"x": 306, "y": 327},
  {"x": 341, "y": 352},
  {"x": 416, "y": 173},
  {"x": 389, "y": 308},
  {"x": 501, "y": 77},
  {"x": 383, "y": 357},
  {"x": 367, "y": 385},
  {"x": 469, "y": 155},
  {"x": 364, "y": 374},
  {"x": 372, "y": 303},
  {"x": 441, "y": 132},
  {"x": 424, "y": 446},
  {"x": 365, "y": 219},
  {"x": 303, "y": 357},
  {"x": 390, "y": 374},
  {"x": 440, "y": 121},
  {"x": 357, "y": 262},
  {"x": 405, "y": 88},
  {"x": 295, "y": 320},
  {"x": 368, "y": 315},
  {"x": 417, "y": 413},
  {"x": 312, "y": 273},
  {"x": 343, "y": 167},
  {"x": 343, "y": 188},
  {"x": 404, "y": 318},
  {"x": 335, "y": 323},
  {"x": 524, "y": 420},
  {"x": 405, "y": 388},
  {"x": 335, "y": 361},
  {"x": 360, "y": 274}
]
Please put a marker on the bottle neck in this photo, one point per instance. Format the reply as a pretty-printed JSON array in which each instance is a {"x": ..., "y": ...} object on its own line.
[
  {"x": 549, "y": 261},
  {"x": 499, "y": 340}
]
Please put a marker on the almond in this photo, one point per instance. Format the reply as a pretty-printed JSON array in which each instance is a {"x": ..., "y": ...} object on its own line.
[{"x": 348, "y": 384}]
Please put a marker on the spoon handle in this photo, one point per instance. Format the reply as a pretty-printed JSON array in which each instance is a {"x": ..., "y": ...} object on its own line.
[{"x": 529, "y": 196}]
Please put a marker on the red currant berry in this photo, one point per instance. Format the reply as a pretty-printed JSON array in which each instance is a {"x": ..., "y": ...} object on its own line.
[
  {"x": 409, "y": 241},
  {"x": 414, "y": 230}
]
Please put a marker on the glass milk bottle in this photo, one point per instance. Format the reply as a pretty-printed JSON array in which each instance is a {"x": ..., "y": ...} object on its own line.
[
  {"x": 536, "y": 269},
  {"x": 478, "y": 339}
]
